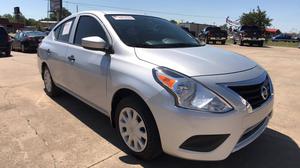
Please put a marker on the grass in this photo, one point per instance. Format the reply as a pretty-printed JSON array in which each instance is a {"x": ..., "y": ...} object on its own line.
[
  {"x": 271, "y": 43},
  {"x": 282, "y": 44}
]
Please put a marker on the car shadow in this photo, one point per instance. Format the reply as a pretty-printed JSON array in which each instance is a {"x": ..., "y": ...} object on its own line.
[{"x": 271, "y": 150}]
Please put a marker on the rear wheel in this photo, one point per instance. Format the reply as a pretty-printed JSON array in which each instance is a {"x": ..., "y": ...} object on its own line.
[
  {"x": 50, "y": 88},
  {"x": 23, "y": 49},
  {"x": 241, "y": 43},
  {"x": 207, "y": 41},
  {"x": 137, "y": 128},
  {"x": 7, "y": 53}
]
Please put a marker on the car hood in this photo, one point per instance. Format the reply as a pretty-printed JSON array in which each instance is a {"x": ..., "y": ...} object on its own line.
[{"x": 196, "y": 61}]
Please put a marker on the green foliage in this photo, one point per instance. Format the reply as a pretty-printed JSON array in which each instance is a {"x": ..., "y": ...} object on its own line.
[
  {"x": 224, "y": 27},
  {"x": 54, "y": 15},
  {"x": 13, "y": 18},
  {"x": 256, "y": 18},
  {"x": 173, "y": 21}
]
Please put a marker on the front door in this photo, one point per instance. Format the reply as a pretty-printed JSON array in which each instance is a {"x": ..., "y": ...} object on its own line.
[{"x": 89, "y": 68}]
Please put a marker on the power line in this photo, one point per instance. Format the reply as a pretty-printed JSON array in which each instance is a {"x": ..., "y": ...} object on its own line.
[{"x": 140, "y": 10}]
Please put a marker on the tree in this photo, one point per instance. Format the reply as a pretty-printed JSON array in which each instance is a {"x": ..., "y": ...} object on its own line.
[
  {"x": 65, "y": 13},
  {"x": 256, "y": 18},
  {"x": 13, "y": 18},
  {"x": 173, "y": 21},
  {"x": 224, "y": 27},
  {"x": 31, "y": 22}
]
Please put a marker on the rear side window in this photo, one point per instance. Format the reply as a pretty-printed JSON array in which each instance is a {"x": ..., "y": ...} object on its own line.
[
  {"x": 62, "y": 33},
  {"x": 88, "y": 26},
  {"x": 2, "y": 32}
]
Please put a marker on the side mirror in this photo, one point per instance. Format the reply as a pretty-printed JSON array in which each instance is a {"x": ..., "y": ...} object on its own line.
[{"x": 94, "y": 43}]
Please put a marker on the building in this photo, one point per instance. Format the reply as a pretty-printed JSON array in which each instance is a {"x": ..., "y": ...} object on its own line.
[
  {"x": 194, "y": 27},
  {"x": 11, "y": 27}
]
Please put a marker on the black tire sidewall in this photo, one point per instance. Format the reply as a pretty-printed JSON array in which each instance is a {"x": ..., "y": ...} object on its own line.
[
  {"x": 54, "y": 89},
  {"x": 153, "y": 146}
]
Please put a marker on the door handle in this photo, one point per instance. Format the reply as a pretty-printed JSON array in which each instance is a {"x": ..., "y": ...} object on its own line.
[
  {"x": 71, "y": 58},
  {"x": 48, "y": 52}
]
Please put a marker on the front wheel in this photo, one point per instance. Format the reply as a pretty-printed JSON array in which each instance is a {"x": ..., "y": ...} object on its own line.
[{"x": 137, "y": 128}]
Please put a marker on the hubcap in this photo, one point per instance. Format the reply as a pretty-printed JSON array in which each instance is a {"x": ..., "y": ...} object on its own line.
[
  {"x": 132, "y": 129},
  {"x": 47, "y": 80}
]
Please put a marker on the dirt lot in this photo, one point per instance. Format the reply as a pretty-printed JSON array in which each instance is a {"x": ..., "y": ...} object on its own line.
[{"x": 37, "y": 131}]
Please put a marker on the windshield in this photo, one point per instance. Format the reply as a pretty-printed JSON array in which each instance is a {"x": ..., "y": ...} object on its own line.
[
  {"x": 150, "y": 32},
  {"x": 250, "y": 28},
  {"x": 35, "y": 33},
  {"x": 213, "y": 29}
]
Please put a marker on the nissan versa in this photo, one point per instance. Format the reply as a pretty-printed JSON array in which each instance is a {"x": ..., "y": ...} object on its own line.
[{"x": 162, "y": 89}]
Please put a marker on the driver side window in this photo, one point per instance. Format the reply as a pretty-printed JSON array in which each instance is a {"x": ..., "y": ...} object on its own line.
[{"x": 88, "y": 26}]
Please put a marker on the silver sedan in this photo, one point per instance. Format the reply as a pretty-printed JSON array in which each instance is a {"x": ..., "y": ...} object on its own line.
[{"x": 161, "y": 88}]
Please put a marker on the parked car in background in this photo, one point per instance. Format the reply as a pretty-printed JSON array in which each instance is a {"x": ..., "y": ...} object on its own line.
[
  {"x": 5, "y": 42},
  {"x": 27, "y": 40},
  {"x": 285, "y": 38},
  {"x": 188, "y": 30},
  {"x": 213, "y": 34},
  {"x": 162, "y": 89},
  {"x": 248, "y": 34}
]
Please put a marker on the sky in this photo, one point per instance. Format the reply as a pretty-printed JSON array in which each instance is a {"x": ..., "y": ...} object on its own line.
[{"x": 285, "y": 14}]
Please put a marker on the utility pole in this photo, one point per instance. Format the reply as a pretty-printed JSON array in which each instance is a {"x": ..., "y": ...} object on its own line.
[
  {"x": 60, "y": 10},
  {"x": 77, "y": 8}
]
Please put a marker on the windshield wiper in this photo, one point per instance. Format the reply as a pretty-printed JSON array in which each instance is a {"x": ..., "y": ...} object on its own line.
[{"x": 175, "y": 45}]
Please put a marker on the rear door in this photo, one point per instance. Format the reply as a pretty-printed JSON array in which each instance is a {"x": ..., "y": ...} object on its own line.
[
  {"x": 17, "y": 43},
  {"x": 89, "y": 68},
  {"x": 55, "y": 48},
  {"x": 3, "y": 38}
]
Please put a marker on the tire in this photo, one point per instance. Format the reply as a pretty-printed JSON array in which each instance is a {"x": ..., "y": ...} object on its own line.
[
  {"x": 23, "y": 49},
  {"x": 261, "y": 44},
  {"x": 207, "y": 41},
  {"x": 223, "y": 42},
  {"x": 145, "y": 143},
  {"x": 7, "y": 53},
  {"x": 214, "y": 42},
  {"x": 50, "y": 88},
  {"x": 234, "y": 42},
  {"x": 241, "y": 43}
]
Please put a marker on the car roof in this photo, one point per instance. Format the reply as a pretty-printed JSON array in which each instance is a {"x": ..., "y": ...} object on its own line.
[{"x": 97, "y": 12}]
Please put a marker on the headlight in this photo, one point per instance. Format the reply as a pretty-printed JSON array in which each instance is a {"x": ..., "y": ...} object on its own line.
[{"x": 189, "y": 93}]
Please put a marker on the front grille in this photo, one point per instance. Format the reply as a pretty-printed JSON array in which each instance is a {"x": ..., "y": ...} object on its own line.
[{"x": 253, "y": 93}]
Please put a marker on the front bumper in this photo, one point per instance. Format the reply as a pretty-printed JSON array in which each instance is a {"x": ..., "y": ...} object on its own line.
[
  {"x": 217, "y": 38},
  {"x": 249, "y": 39},
  {"x": 176, "y": 125}
]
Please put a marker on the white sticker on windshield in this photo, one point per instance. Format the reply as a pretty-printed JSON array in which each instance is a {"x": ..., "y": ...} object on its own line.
[
  {"x": 67, "y": 28},
  {"x": 123, "y": 18}
]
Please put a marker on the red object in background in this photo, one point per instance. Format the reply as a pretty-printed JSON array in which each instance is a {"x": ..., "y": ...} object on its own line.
[{"x": 269, "y": 30}]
